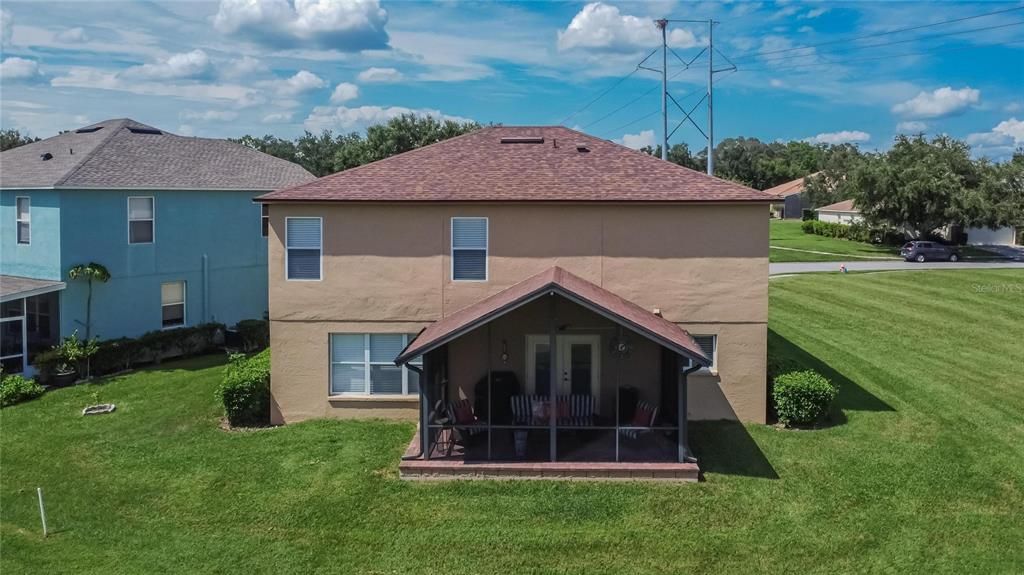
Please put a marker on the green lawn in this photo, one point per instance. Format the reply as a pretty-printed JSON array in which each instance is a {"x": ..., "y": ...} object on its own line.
[
  {"x": 787, "y": 234},
  {"x": 922, "y": 470}
]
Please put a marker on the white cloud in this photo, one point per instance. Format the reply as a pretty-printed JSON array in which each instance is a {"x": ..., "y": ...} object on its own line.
[
  {"x": 602, "y": 27},
  {"x": 245, "y": 66},
  {"x": 6, "y": 26},
  {"x": 380, "y": 75},
  {"x": 842, "y": 137},
  {"x": 74, "y": 35},
  {"x": 277, "y": 118},
  {"x": 344, "y": 92},
  {"x": 194, "y": 64},
  {"x": 637, "y": 141},
  {"x": 1000, "y": 142},
  {"x": 805, "y": 30},
  {"x": 345, "y": 118},
  {"x": 346, "y": 26},
  {"x": 209, "y": 115},
  {"x": 95, "y": 79},
  {"x": 303, "y": 81},
  {"x": 1013, "y": 107},
  {"x": 813, "y": 13},
  {"x": 938, "y": 103},
  {"x": 911, "y": 127},
  {"x": 776, "y": 83},
  {"x": 15, "y": 69}
]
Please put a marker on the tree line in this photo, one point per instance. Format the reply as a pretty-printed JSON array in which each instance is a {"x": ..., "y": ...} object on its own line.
[{"x": 918, "y": 185}]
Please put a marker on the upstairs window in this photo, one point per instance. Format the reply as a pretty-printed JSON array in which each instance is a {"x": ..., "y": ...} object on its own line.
[
  {"x": 140, "y": 220},
  {"x": 469, "y": 249},
  {"x": 264, "y": 220},
  {"x": 303, "y": 248},
  {"x": 24, "y": 219},
  {"x": 172, "y": 304}
]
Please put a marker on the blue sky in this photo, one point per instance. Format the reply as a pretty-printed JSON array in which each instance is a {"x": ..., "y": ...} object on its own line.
[{"x": 230, "y": 67}]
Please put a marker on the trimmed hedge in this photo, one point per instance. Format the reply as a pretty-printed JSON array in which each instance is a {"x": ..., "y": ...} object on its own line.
[
  {"x": 15, "y": 389},
  {"x": 122, "y": 354},
  {"x": 254, "y": 333},
  {"x": 245, "y": 391},
  {"x": 802, "y": 397},
  {"x": 857, "y": 232}
]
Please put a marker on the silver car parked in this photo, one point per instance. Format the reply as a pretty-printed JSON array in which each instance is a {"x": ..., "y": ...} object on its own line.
[{"x": 923, "y": 251}]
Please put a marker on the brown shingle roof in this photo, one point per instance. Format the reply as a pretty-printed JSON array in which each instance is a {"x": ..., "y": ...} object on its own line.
[
  {"x": 575, "y": 288},
  {"x": 843, "y": 206},
  {"x": 789, "y": 188},
  {"x": 123, "y": 153},
  {"x": 567, "y": 166}
]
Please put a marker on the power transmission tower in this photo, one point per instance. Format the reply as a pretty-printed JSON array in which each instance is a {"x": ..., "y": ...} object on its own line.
[{"x": 666, "y": 96}]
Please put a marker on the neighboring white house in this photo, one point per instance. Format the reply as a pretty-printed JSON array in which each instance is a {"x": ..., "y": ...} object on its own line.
[
  {"x": 841, "y": 213},
  {"x": 998, "y": 237}
]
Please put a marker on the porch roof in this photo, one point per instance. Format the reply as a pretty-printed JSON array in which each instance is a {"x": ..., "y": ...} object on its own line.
[
  {"x": 15, "y": 287},
  {"x": 556, "y": 280}
]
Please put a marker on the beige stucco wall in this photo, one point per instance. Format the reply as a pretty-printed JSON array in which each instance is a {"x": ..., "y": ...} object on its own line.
[{"x": 386, "y": 269}]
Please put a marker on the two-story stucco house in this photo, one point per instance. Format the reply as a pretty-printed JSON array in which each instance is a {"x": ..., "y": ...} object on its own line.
[
  {"x": 541, "y": 287},
  {"x": 170, "y": 217}
]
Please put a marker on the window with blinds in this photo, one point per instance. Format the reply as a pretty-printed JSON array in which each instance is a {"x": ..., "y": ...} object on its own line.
[
  {"x": 141, "y": 219},
  {"x": 469, "y": 249},
  {"x": 24, "y": 219},
  {"x": 364, "y": 364},
  {"x": 303, "y": 248},
  {"x": 709, "y": 345},
  {"x": 172, "y": 304}
]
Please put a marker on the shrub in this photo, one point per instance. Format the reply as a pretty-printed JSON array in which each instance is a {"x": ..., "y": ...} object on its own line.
[
  {"x": 15, "y": 389},
  {"x": 780, "y": 364},
  {"x": 245, "y": 391},
  {"x": 116, "y": 355},
  {"x": 802, "y": 397},
  {"x": 255, "y": 334},
  {"x": 47, "y": 363}
]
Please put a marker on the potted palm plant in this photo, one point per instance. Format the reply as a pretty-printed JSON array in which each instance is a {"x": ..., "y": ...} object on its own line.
[{"x": 73, "y": 359}]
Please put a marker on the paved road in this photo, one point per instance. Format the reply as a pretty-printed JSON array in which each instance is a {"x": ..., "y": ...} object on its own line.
[{"x": 804, "y": 267}]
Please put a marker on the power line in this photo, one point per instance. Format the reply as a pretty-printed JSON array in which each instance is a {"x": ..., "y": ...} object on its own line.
[
  {"x": 607, "y": 91},
  {"x": 633, "y": 101},
  {"x": 872, "y": 58},
  {"x": 894, "y": 42},
  {"x": 877, "y": 34},
  {"x": 628, "y": 124}
]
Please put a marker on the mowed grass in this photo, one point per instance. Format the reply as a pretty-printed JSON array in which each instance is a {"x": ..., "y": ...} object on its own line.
[
  {"x": 787, "y": 234},
  {"x": 921, "y": 469}
]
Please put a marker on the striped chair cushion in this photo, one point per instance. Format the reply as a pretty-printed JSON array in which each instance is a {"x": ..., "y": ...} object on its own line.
[
  {"x": 574, "y": 410},
  {"x": 644, "y": 416}
]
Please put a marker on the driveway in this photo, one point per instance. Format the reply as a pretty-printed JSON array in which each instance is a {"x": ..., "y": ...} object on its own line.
[
  {"x": 1015, "y": 253},
  {"x": 862, "y": 266}
]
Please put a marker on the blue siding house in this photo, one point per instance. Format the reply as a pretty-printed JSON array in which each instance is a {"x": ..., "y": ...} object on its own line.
[{"x": 170, "y": 217}]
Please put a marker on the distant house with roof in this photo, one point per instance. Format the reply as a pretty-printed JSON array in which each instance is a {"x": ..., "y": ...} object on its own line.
[
  {"x": 843, "y": 212},
  {"x": 171, "y": 218},
  {"x": 791, "y": 200}
]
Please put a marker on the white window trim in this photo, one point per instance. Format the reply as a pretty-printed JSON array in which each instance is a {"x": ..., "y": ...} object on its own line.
[
  {"x": 18, "y": 221},
  {"x": 713, "y": 368},
  {"x": 150, "y": 219},
  {"x": 23, "y": 318},
  {"x": 287, "y": 248},
  {"x": 183, "y": 304},
  {"x": 452, "y": 248},
  {"x": 366, "y": 363},
  {"x": 267, "y": 218}
]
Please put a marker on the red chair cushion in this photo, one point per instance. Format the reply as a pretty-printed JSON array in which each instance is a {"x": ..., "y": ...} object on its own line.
[
  {"x": 643, "y": 416},
  {"x": 464, "y": 413}
]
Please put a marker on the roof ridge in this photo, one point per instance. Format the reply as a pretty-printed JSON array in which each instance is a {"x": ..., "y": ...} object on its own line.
[
  {"x": 376, "y": 162},
  {"x": 92, "y": 153}
]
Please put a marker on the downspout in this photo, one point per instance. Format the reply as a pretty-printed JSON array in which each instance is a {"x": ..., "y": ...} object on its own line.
[
  {"x": 206, "y": 288},
  {"x": 685, "y": 456}
]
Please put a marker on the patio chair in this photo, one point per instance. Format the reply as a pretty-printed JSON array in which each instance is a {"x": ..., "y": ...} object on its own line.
[
  {"x": 461, "y": 416},
  {"x": 644, "y": 416}
]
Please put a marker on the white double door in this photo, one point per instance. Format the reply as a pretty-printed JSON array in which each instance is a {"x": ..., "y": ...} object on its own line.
[{"x": 577, "y": 364}]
